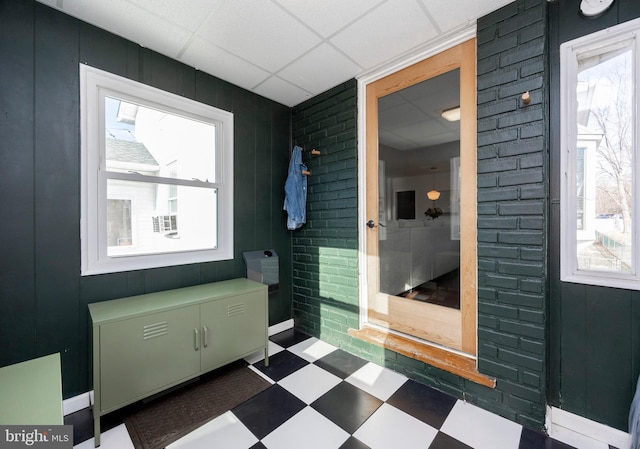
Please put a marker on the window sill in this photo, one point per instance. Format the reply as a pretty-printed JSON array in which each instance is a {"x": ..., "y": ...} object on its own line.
[{"x": 451, "y": 362}]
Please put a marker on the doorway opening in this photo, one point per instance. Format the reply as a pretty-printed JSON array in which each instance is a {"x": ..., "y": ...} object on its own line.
[
  {"x": 421, "y": 273},
  {"x": 419, "y": 158}
]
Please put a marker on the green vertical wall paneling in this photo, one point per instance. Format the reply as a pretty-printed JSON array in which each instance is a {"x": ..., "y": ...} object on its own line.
[
  {"x": 573, "y": 344},
  {"x": 595, "y": 351},
  {"x": 608, "y": 346},
  {"x": 165, "y": 278},
  {"x": 106, "y": 51},
  {"x": 635, "y": 337},
  {"x": 167, "y": 74},
  {"x": 573, "y": 25},
  {"x": 628, "y": 9},
  {"x": 262, "y": 167},
  {"x": 245, "y": 161},
  {"x": 214, "y": 91},
  {"x": 45, "y": 300},
  {"x": 57, "y": 212},
  {"x": 595, "y": 344},
  {"x": 17, "y": 289}
]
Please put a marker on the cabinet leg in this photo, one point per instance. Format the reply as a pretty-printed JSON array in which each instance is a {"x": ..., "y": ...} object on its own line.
[
  {"x": 266, "y": 356},
  {"x": 96, "y": 430}
]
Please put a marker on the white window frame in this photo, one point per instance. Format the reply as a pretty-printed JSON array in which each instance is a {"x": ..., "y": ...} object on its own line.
[
  {"x": 569, "y": 52},
  {"x": 94, "y": 85}
]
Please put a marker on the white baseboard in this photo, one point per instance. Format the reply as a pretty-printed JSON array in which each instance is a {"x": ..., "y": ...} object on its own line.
[
  {"x": 571, "y": 429},
  {"x": 76, "y": 403},
  {"x": 85, "y": 400},
  {"x": 280, "y": 327}
]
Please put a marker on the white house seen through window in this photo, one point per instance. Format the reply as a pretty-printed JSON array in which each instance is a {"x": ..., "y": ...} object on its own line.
[
  {"x": 157, "y": 177},
  {"x": 599, "y": 75}
]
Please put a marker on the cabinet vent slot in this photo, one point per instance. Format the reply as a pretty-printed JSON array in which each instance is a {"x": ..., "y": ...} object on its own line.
[
  {"x": 155, "y": 330},
  {"x": 235, "y": 309}
]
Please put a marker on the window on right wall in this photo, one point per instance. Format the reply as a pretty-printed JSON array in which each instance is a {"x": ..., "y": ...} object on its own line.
[{"x": 600, "y": 79}]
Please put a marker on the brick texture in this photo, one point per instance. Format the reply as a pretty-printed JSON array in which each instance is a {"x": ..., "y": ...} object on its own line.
[
  {"x": 512, "y": 147},
  {"x": 325, "y": 249}
]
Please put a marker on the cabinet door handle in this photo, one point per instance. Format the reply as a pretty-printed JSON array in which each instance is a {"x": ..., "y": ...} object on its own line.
[
  {"x": 196, "y": 339},
  {"x": 205, "y": 337}
]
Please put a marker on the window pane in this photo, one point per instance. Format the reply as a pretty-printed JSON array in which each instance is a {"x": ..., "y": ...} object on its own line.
[
  {"x": 604, "y": 170},
  {"x": 158, "y": 143},
  {"x": 119, "y": 223},
  {"x": 153, "y": 226},
  {"x": 419, "y": 243}
]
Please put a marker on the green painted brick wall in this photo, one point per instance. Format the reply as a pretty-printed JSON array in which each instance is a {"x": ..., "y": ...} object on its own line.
[
  {"x": 511, "y": 220},
  {"x": 512, "y": 208},
  {"x": 325, "y": 249}
]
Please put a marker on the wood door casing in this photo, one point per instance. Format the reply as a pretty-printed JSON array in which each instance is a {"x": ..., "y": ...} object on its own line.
[{"x": 455, "y": 329}]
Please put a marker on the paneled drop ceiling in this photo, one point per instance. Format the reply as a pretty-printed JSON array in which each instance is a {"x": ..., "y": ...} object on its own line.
[{"x": 285, "y": 50}]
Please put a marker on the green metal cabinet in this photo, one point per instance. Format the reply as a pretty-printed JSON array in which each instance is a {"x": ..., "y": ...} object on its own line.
[
  {"x": 135, "y": 355},
  {"x": 231, "y": 326},
  {"x": 145, "y": 344}
]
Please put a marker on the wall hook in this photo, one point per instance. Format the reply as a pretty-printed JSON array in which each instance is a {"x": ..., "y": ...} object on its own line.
[{"x": 526, "y": 97}]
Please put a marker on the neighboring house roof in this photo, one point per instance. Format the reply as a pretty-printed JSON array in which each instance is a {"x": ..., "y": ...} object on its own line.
[{"x": 129, "y": 152}]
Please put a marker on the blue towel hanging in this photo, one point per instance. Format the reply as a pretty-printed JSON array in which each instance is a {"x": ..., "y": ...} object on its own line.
[{"x": 295, "y": 189}]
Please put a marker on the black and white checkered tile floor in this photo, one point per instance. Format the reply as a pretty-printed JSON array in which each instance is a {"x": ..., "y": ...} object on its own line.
[{"x": 325, "y": 398}]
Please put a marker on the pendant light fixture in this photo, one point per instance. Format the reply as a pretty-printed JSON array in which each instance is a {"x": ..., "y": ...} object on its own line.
[{"x": 433, "y": 195}]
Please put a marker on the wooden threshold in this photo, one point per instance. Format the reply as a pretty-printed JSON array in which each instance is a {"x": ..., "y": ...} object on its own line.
[{"x": 451, "y": 362}]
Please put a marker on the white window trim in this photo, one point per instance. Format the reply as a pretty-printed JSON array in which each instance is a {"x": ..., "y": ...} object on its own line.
[
  {"x": 93, "y": 185},
  {"x": 569, "y": 271}
]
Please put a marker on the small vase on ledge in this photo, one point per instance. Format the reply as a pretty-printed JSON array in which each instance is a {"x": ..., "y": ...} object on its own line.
[{"x": 433, "y": 212}]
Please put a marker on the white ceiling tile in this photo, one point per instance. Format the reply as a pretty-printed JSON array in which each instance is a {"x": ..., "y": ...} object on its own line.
[
  {"x": 418, "y": 132},
  {"x": 190, "y": 17},
  {"x": 385, "y": 33},
  {"x": 446, "y": 84},
  {"x": 214, "y": 61},
  {"x": 282, "y": 91},
  {"x": 390, "y": 102},
  {"x": 282, "y": 37},
  {"x": 414, "y": 140},
  {"x": 438, "y": 102},
  {"x": 403, "y": 114},
  {"x": 395, "y": 141},
  {"x": 414, "y": 113},
  {"x": 436, "y": 139},
  {"x": 321, "y": 67},
  {"x": 131, "y": 22},
  {"x": 452, "y": 127},
  {"x": 465, "y": 11},
  {"x": 241, "y": 28},
  {"x": 328, "y": 16}
]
